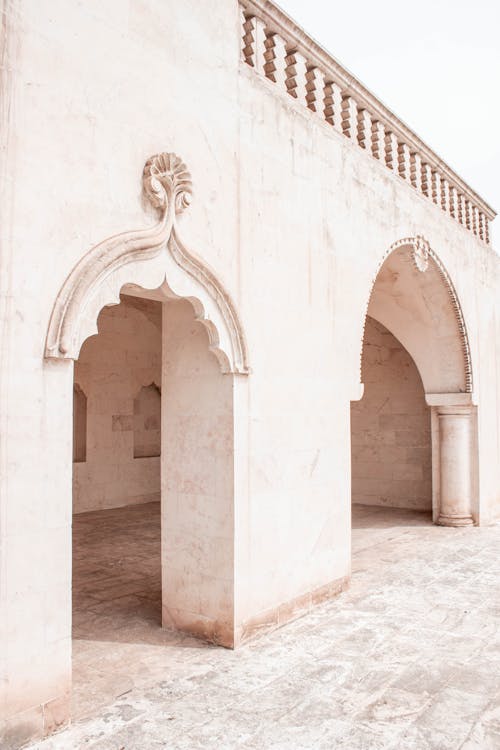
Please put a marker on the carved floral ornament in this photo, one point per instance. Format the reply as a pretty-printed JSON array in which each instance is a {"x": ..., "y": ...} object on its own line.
[
  {"x": 132, "y": 257},
  {"x": 421, "y": 253}
]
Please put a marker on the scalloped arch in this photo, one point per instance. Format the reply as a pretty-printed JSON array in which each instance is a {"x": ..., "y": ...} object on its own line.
[
  {"x": 149, "y": 259},
  {"x": 422, "y": 253}
]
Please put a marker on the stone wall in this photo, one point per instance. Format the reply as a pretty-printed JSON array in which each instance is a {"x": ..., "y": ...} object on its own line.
[
  {"x": 119, "y": 371},
  {"x": 390, "y": 427},
  {"x": 291, "y": 215},
  {"x": 198, "y": 478}
]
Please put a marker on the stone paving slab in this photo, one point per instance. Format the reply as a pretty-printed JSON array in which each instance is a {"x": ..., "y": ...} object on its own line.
[{"x": 408, "y": 658}]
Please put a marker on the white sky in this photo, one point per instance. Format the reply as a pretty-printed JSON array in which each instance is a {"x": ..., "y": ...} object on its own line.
[{"x": 435, "y": 63}]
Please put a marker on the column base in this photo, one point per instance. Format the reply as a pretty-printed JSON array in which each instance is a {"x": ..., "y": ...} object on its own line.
[
  {"x": 457, "y": 521},
  {"x": 276, "y": 617}
]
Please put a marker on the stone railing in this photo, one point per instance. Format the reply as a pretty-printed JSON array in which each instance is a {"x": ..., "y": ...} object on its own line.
[{"x": 280, "y": 51}]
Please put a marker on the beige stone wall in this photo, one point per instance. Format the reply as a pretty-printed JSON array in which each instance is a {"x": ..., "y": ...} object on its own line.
[
  {"x": 295, "y": 220},
  {"x": 115, "y": 371},
  {"x": 390, "y": 427},
  {"x": 197, "y": 484}
]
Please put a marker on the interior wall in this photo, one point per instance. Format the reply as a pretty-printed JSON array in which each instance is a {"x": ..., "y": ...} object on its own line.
[
  {"x": 390, "y": 427},
  {"x": 119, "y": 371}
]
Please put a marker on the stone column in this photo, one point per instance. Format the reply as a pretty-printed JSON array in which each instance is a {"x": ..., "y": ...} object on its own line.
[{"x": 455, "y": 461}]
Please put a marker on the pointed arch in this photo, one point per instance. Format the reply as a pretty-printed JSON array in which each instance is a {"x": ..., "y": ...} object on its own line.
[
  {"x": 152, "y": 259},
  {"x": 426, "y": 261}
]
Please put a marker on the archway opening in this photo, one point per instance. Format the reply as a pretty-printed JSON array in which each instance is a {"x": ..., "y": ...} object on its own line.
[
  {"x": 152, "y": 495},
  {"x": 413, "y": 432},
  {"x": 390, "y": 441},
  {"x": 116, "y": 495}
]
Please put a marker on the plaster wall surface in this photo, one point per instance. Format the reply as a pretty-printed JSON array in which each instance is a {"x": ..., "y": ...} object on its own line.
[
  {"x": 113, "y": 369},
  {"x": 197, "y": 482},
  {"x": 293, "y": 218},
  {"x": 390, "y": 427},
  {"x": 338, "y": 213}
]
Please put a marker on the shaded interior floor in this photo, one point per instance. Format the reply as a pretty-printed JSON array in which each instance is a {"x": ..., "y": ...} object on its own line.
[
  {"x": 116, "y": 572},
  {"x": 117, "y": 605},
  {"x": 118, "y": 642},
  {"x": 376, "y": 529}
]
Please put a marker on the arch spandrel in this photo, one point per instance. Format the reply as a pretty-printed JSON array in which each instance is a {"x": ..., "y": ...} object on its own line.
[
  {"x": 149, "y": 259},
  {"x": 413, "y": 296}
]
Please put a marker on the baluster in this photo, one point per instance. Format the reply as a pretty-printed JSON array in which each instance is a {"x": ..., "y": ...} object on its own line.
[
  {"x": 315, "y": 84},
  {"x": 243, "y": 19},
  {"x": 427, "y": 180},
  {"x": 274, "y": 56},
  {"x": 333, "y": 105},
  {"x": 436, "y": 187},
  {"x": 291, "y": 72},
  {"x": 445, "y": 195},
  {"x": 365, "y": 130},
  {"x": 378, "y": 142},
  {"x": 248, "y": 39},
  {"x": 416, "y": 171},
  {"x": 471, "y": 216},
  {"x": 481, "y": 225},
  {"x": 475, "y": 221},
  {"x": 453, "y": 202},
  {"x": 350, "y": 118},
  {"x": 260, "y": 46},
  {"x": 468, "y": 215},
  {"x": 329, "y": 104},
  {"x": 253, "y": 42},
  {"x": 270, "y": 57},
  {"x": 295, "y": 75},
  {"x": 391, "y": 151},
  {"x": 486, "y": 229},
  {"x": 404, "y": 161},
  {"x": 461, "y": 209}
]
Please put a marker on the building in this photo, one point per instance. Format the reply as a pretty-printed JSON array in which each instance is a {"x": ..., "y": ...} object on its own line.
[{"x": 224, "y": 262}]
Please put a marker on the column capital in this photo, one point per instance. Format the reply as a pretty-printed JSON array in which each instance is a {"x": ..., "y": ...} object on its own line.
[
  {"x": 445, "y": 400},
  {"x": 454, "y": 411}
]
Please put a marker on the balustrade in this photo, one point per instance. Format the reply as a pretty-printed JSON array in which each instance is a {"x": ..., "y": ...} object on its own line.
[{"x": 281, "y": 52}]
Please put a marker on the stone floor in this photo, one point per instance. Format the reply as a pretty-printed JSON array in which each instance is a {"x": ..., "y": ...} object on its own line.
[{"x": 408, "y": 658}]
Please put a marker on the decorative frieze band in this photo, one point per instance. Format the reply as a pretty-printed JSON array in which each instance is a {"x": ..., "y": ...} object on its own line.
[{"x": 280, "y": 51}]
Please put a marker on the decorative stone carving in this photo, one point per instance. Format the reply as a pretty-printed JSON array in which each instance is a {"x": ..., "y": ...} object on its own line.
[
  {"x": 166, "y": 178},
  {"x": 98, "y": 277},
  {"x": 420, "y": 253}
]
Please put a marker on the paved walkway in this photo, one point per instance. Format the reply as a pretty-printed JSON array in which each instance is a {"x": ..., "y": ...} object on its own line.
[{"x": 408, "y": 658}]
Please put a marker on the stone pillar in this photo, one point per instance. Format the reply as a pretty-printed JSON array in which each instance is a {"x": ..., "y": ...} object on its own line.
[
  {"x": 455, "y": 461},
  {"x": 197, "y": 494}
]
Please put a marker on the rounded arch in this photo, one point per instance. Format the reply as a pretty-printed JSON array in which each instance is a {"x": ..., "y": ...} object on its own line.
[
  {"x": 153, "y": 259},
  {"x": 413, "y": 296}
]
